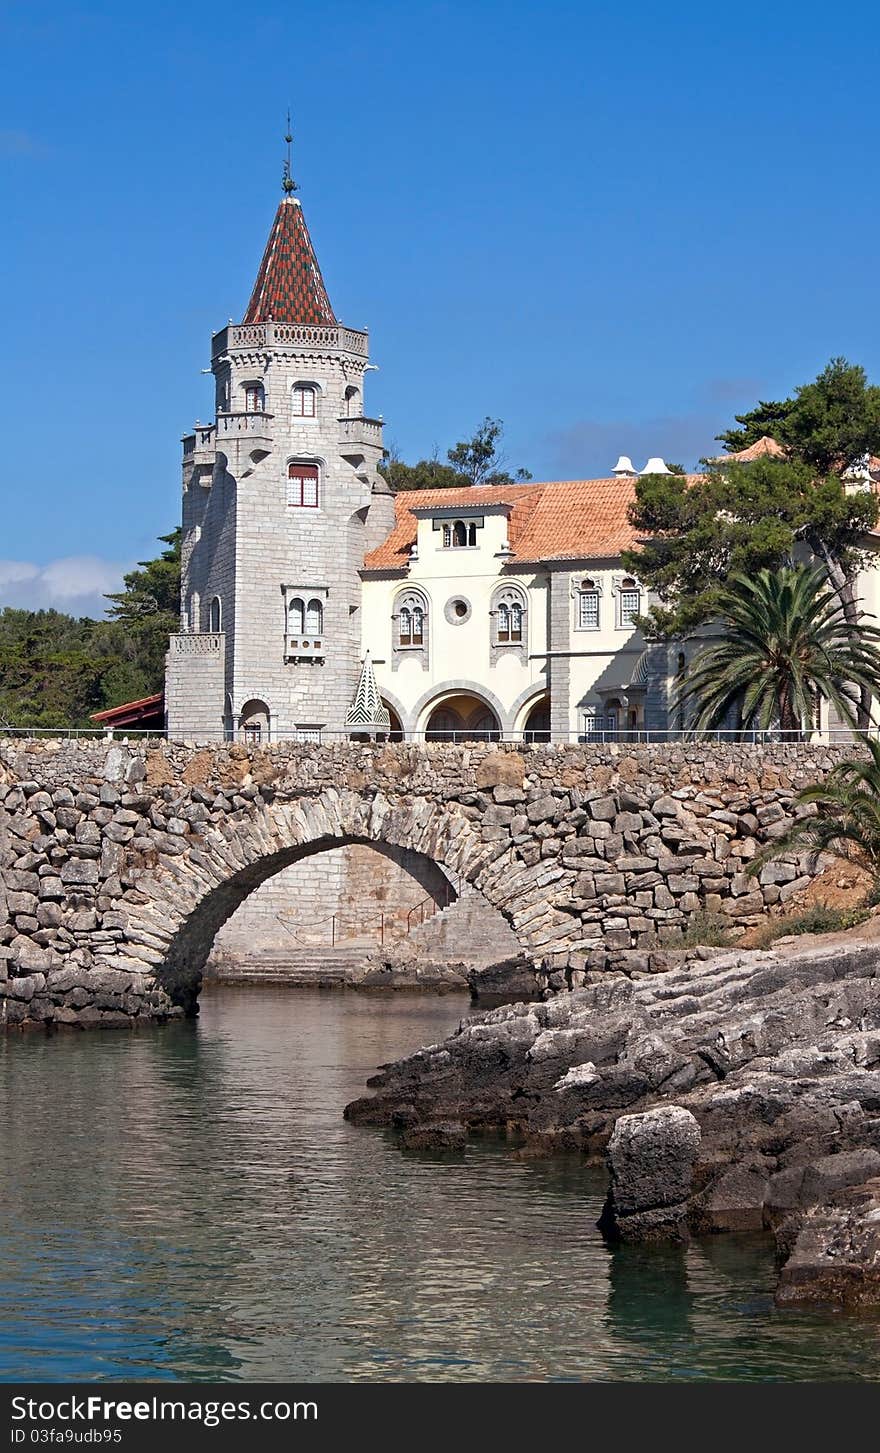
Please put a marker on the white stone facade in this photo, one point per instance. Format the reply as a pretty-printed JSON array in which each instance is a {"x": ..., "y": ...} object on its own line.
[{"x": 284, "y": 590}]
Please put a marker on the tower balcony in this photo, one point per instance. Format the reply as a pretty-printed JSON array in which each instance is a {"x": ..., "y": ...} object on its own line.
[
  {"x": 199, "y": 446},
  {"x": 332, "y": 338},
  {"x": 360, "y": 433},
  {"x": 251, "y": 426}
]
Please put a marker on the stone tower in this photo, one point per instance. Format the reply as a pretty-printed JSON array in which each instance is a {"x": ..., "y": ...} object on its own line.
[{"x": 281, "y": 500}]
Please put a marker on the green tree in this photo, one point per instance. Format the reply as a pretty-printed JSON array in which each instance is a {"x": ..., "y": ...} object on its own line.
[
  {"x": 783, "y": 642},
  {"x": 844, "y": 817},
  {"x": 56, "y": 669},
  {"x": 477, "y": 460},
  {"x": 742, "y": 517},
  {"x": 149, "y": 607},
  {"x": 480, "y": 460},
  {"x": 766, "y": 420}
]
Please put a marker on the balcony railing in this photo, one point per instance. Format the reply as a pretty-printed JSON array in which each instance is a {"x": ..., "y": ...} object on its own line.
[
  {"x": 335, "y": 337},
  {"x": 199, "y": 446},
  {"x": 360, "y": 431},
  {"x": 197, "y": 643},
  {"x": 303, "y": 648},
  {"x": 240, "y": 426}
]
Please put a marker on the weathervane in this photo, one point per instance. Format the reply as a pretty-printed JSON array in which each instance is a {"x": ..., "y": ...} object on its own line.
[{"x": 287, "y": 182}]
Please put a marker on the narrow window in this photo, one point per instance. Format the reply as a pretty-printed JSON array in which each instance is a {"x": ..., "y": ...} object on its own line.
[
  {"x": 588, "y": 610},
  {"x": 503, "y": 623},
  {"x": 516, "y": 622},
  {"x": 304, "y": 401},
  {"x": 314, "y": 618},
  {"x": 447, "y": 536},
  {"x": 254, "y": 398},
  {"x": 216, "y": 615},
  {"x": 405, "y": 627},
  {"x": 295, "y": 617},
  {"x": 630, "y": 597},
  {"x": 459, "y": 534},
  {"x": 302, "y": 485},
  {"x": 418, "y": 621},
  {"x": 472, "y": 534}
]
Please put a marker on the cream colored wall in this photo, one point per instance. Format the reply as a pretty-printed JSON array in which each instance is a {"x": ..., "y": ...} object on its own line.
[{"x": 460, "y": 653}]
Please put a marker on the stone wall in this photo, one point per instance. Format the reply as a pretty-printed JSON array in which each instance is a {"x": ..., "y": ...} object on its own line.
[
  {"x": 119, "y": 864},
  {"x": 370, "y": 897}
]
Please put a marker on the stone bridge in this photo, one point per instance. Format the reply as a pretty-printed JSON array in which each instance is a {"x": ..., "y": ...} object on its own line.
[{"x": 119, "y": 862}]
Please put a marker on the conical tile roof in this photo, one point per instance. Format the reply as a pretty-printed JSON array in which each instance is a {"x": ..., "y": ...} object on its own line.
[
  {"x": 289, "y": 286},
  {"x": 367, "y": 708}
]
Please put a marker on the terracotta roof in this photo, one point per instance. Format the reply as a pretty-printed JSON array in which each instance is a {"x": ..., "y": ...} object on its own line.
[
  {"x": 573, "y": 519},
  {"x": 289, "y": 286},
  {"x": 763, "y": 448},
  {"x": 130, "y": 712}
]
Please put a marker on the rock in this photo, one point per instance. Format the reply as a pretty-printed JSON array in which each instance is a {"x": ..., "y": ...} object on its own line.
[
  {"x": 651, "y": 1160},
  {"x": 501, "y": 769},
  {"x": 444, "y": 1136},
  {"x": 79, "y": 871}
]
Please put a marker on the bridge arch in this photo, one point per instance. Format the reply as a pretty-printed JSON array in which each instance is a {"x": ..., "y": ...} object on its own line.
[{"x": 188, "y": 899}]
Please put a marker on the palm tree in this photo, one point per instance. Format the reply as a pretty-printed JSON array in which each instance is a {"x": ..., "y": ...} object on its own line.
[
  {"x": 783, "y": 642},
  {"x": 847, "y": 817}
]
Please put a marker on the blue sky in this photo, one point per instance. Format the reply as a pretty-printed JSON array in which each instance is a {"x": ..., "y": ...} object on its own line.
[{"x": 610, "y": 226}]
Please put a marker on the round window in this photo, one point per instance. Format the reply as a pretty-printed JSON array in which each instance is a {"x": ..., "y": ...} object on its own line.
[{"x": 457, "y": 610}]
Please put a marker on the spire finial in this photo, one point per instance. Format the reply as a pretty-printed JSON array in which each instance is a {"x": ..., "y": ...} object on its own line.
[{"x": 288, "y": 185}]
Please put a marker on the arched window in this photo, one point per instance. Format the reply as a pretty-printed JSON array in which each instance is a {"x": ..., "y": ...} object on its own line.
[
  {"x": 216, "y": 615},
  {"x": 254, "y": 398},
  {"x": 352, "y": 402},
  {"x": 629, "y": 599},
  {"x": 302, "y": 485},
  {"x": 314, "y": 618},
  {"x": 409, "y": 622},
  {"x": 295, "y": 616},
  {"x": 588, "y": 606},
  {"x": 508, "y": 620},
  {"x": 472, "y": 534},
  {"x": 459, "y": 534},
  {"x": 304, "y": 401}
]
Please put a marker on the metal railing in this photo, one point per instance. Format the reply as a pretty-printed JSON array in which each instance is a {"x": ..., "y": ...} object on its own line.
[{"x": 319, "y": 736}]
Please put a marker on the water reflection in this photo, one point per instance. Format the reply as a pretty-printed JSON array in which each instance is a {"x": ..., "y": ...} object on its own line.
[{"x": 189, "y": 1203}]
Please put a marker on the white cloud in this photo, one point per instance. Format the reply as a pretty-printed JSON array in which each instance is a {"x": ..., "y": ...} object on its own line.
[{"x": 76, "y": 584}]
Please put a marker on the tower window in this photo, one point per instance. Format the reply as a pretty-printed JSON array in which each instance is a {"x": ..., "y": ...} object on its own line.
[
  {"x": 254, "y": 398},
  {"x": 216, "y": 615},
  {"x": 302, "y": 485},
  {"x": 305, "y": 405},
  {"x": 314, "y": 618}
]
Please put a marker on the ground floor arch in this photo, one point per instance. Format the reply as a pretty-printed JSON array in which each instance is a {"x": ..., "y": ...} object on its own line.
[{"x": 460, "y": 715}]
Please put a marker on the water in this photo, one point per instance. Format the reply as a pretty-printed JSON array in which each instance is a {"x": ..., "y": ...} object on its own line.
[{"x": 188, "y": 1203}]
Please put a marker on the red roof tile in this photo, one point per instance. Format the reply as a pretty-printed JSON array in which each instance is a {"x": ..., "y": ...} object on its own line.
[
  {"x": 142, "y": 711},
  {"x": 289, "y": 286},
  {"x": 565, "y": 520},
  {"x": 763, "y": 448}
]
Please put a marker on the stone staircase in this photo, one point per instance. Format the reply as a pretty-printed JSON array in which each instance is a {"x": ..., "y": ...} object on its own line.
[{"x": 303, "y": 969}]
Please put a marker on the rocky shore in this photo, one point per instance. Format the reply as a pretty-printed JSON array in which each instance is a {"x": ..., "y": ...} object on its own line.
[{"x": 740, "y": 1091}]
